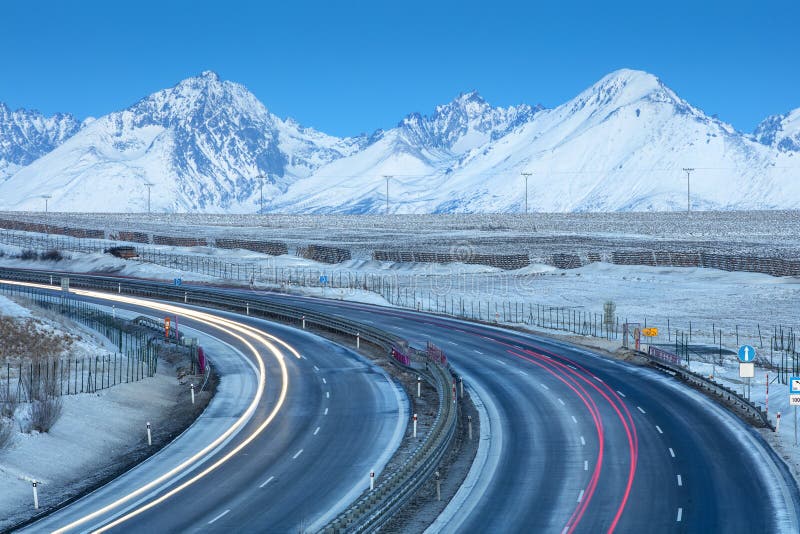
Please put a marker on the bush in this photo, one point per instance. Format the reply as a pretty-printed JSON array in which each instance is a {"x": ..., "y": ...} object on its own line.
[
  {"x": 52, "y": 255},
  {"x": 7, "y": 432},
  {"x": 9, "y": 400},
  {"x": 45, "y": 413},
  {"x": 28, "y": 255}
]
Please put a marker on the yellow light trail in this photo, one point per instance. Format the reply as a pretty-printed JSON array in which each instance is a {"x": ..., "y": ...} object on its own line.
[{"x": 229, "y": 327}]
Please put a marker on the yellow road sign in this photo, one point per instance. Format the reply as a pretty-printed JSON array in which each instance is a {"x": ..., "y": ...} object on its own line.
[{"x": 650, "y": 332}]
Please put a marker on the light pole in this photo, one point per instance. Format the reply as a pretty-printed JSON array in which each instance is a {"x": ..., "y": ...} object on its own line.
[
  {"x": 526, "y": 175},
  {"x": 46, "y": 218},
  {"x": 387, "y": 176},
  {"x": 148, "y": 185},
  {"x": 688, "y": 171}
]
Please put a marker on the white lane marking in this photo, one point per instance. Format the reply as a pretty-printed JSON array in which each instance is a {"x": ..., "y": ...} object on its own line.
[
  {"x": 572, "y": 367},
  {"x": 298, "y": 453},
  {"x": 597, "y": 378},
  {"x": 266, "y": 482},
  {"x": 659, "y": 429},
  {"x": 561, "y": 401},
  {"x": 680, "y": 481},
  {"x": 324, "y": 381},
  {"x": 220, "y": 516},
  {"x": 501, "y": 361},
  {"x": 452, "y": 342},
  {"x": 641, "y": 409},
  {"x": 574, "y": 420},
  {"x": 671, "y": 452},
  {"x": 545, "y": 387},
  {"x": 680, "y": 515},
  {"x": 523, "y": 373},
  {"x": 580, "y": 497},
  {"x": 316, "y": 431},
  {"x": 479, "y": 352},
  {"x": 621, "y": 394},
  {"x": 586, "y": 465},
  {"x": 328, "y": 394},
  {"x": 316, "y": 368},
  {"x": 326, "y": 411},
  {"x": 583, "y": 441}
]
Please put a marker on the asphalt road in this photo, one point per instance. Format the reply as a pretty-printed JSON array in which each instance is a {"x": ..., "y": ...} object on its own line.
[
  {"x": 583, "y": 443},
  {"x": 340, "y": 418}
]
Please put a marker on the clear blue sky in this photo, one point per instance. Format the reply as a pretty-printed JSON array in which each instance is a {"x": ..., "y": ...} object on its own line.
[{"x": 346, "y": 67}]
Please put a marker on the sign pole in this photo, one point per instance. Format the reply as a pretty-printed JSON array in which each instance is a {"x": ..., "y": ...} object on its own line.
[{"x": 795, "y": 426}]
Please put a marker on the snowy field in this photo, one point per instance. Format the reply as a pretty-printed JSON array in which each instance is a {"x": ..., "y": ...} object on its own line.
[
  {"x": 764, "y": 233},
  {"x": 95, "y": 430}
]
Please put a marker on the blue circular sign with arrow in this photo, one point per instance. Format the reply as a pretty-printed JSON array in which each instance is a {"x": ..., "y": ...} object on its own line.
[{"x": 747, "y": 354}]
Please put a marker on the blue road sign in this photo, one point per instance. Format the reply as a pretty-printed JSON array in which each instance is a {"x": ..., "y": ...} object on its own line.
[
  {"x": 747, "y": 354},
  {"x": 323, "y": 279},
  {"x": 794, "y": 385},
  {"x": 177, "y": 281}
]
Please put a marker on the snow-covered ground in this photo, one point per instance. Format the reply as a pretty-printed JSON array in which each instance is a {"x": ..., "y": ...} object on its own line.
[{"x": 95, "y": 430}]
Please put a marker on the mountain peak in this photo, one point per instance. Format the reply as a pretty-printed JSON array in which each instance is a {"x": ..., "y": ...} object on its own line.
[{"x": 210, "y": 75}]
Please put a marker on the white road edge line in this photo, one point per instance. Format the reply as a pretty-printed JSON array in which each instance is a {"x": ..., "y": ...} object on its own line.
[
  {"x": 641, "y": 409},
  {"x": 545, "y": 387},
  {"x": 561, "y": 401},
  {"x": 671, "y": 452},
  {"x": 621, "y": 394},
  {"x": 659, "y": 429},
  {"x": 680, "y": 515},
  {"x": 316, "y": 431},
  {"x": 298, "y": 453},
  {"x": 680, "y": 481},
  {"x": 326, "y": 411},
  {"x": 479, "y": 352},
  {"x": 523, "y": 373},
  {"x": 580, "y": 496},
  {"x": 586, "y": 465},
  {"x": 501, "y": 361},
  {"x": 574, "y": 420},
  {"x": 583, "y": 441},
  {"x": 316, "y": 368},
  {"x": 220, "y": 516},
  {"x": 328, "y": 395},
  {"x": 266, "y": 482},
  {"x": 324, "y": 381}
]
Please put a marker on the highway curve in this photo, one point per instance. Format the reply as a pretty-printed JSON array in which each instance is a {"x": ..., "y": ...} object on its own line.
[
  {"x": 582, "y": 443},
  {"x": 340, "y": 418}
]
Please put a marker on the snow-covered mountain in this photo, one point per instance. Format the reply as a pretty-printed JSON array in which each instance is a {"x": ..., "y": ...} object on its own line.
[
  {"x": 781, "y": 131},
  {"x": 622, "y": 144},
  {"x": 203, "y": 145},
  {"x": 27, "y": 135}
]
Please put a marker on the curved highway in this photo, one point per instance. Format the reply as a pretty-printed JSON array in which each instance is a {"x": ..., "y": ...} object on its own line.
[
  {"x": 324, "y": 418},
  {"x": 584, "y": 443}
]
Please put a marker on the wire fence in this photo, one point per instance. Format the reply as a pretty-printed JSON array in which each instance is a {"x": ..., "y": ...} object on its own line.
[
  {"x": 471, "y": 296},
  {"x": 27, "y": 377}
]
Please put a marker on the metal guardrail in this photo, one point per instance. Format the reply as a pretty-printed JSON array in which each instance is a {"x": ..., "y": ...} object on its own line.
[
  {"x": 373, "y": 508},
  {"x": 726, "y": 393}
]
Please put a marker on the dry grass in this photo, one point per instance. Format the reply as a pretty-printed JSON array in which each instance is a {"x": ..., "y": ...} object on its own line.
[
  {"x": 28, "y": 338},
  {"x": 7, "y": 432}
]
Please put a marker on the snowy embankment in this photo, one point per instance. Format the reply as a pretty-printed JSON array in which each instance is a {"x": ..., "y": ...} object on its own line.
[{"x": 94, "y": 436}]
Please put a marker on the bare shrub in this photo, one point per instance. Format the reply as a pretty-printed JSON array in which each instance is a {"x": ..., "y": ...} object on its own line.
[
  {"x": 45, "y": 413},
  {"x": 28, "y": 255},
  {"x": 7, "y": 432},
  {"x": 9, "y": 399},
  {"x": 52, "y": 255}
]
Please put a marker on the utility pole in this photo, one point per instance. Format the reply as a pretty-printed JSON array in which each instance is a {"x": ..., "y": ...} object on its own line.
[
  {"x": 387, "y": 176},
  {"x": 526, "y": 175},
  {"x": 148, "y": 185},
  {"x": 688, "y": 171},
  {"x": 261, "y": 201},
  {"x": 46, "y": 218}
]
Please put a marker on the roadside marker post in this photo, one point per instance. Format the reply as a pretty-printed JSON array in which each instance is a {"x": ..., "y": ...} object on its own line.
[
  {"x": 371, "y": 480},
  {"x": 149, "y": 435},
  {"x": 415, "y": 425},
  {"x": 192, "y": 388},
  {"x": 304, "y": 322},
  {"x": 358, "y": 340},
  {"x": 35, "y": 496},
  {"x": 469, "y": 426},
  {"x": 778, "y": 423},
  {"x": 438, "y": 487},
  {"x": 419, "y": 386}
]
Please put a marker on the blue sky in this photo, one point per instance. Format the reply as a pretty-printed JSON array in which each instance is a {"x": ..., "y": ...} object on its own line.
[{"x": 346, "y": 67}]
